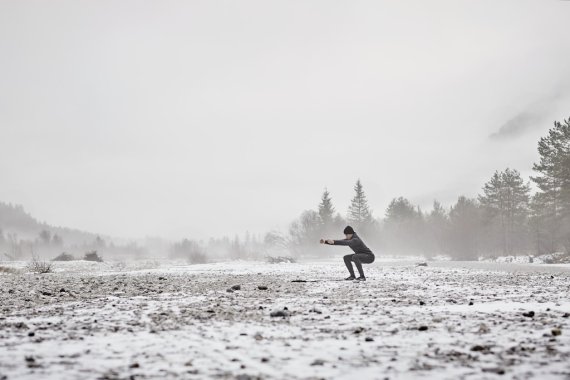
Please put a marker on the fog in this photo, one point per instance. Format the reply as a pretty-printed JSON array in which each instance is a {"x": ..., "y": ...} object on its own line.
[
  {"x": 210, "y": 118},
  {"x": 185, "y": 186}
]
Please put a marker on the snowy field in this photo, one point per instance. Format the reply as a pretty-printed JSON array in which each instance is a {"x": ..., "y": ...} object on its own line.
[{"x": 449, "y": 320}]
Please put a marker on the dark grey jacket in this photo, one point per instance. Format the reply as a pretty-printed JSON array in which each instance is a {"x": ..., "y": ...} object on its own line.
[{"x": 356, "y": 244}]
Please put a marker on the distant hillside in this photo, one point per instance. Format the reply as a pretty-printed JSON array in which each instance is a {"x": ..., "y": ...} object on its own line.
[{"x": 15, "y": 220}]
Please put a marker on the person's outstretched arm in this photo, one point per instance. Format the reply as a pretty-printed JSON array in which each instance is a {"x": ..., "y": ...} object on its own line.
[{"x": 334, "y": 242}]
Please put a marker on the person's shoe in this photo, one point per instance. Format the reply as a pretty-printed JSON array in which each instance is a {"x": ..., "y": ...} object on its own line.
[
  {"x": 361, "y": 279},
  {"x": 350, "y": 278}
]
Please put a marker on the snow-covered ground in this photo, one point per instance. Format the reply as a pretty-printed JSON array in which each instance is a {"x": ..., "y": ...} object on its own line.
[
  {"x": 551, "y": 258},
  {"x": 449, "y": 320}
]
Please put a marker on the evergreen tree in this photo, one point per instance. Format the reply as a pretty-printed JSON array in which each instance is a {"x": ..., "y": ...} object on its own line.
[
  {"x": 45, "y": 237},
  {"x": 188, "y": 249},
  {"x": 57, "y": 241},
  {"x": 554, "y": 179},
  {"x": 99, "y": 242},
  {"x": 505, "y": 202},
  {"x": 541, "y": 225},
  {"x": 237, "y": 249},
  {"x": 438, "y": 224},
  {"x": 464, "y": 229},
  {"x": 326, "y": 210},
  {"x": 438, "y": 212},
  {"x": 339, "y": 223},
  {"x": 404, "y": 227},
  {"x": 359, "y": 214},
  {"x": 400, "y": 209}
]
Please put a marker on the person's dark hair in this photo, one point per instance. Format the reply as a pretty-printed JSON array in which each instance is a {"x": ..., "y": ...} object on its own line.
[{"x": 348, "y": 230}]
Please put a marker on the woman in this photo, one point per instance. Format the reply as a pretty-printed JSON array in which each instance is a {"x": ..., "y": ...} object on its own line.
[{"x": 362, "y": 254}]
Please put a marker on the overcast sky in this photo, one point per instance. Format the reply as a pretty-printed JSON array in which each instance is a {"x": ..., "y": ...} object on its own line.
[{"x": 203, "y": 118}]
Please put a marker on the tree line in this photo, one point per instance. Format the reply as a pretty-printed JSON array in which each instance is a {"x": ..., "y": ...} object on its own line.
[{"x": 506, "y": 218}]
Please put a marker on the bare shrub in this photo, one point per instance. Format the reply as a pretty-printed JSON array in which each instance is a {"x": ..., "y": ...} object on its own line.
[
  {"x": 39, "y": 266},
  {"x": 279, "y": 259}
]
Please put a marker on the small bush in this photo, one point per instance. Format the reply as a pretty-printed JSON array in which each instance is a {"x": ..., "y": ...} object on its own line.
[
  {"x": 39, "y": 266},
  {"x": 93, "y": 256},
  {"x": 64, "y": 257}
]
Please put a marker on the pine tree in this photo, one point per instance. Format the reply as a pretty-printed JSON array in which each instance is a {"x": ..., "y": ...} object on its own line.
[
  {"x": 437, "y": 223},
  {"x": 400, "y": 209},
  {"x": 404, "y": 226},
  {"x": 542, "y": 225},
  {"x": 438, "y": 211},
  {"x": 237, "y": 248},
  {"x": 505, "y": 205},
  {"x": 339, "y": 222},
  {"x": 45, "y": 237},
  {"x": 359, "y": 214},
  {"x": 57, "y": 241},
  {"x": 326, "y": 210},
  {"x": 554, "y": 181},
  {"x": 464, "y": 228}
]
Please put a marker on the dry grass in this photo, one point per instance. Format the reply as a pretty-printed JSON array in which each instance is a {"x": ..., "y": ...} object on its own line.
[{"x": 8, "y": 270}]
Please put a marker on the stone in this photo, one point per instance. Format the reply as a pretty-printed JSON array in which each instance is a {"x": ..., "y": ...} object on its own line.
[
  {"x": 497, "y": 370},
  {"x": 279, "y": 313}
]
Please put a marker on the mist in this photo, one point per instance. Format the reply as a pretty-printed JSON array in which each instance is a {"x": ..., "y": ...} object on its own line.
[
  {"x": 216, "y": 189},
  {"x": 201, "y": 119}
]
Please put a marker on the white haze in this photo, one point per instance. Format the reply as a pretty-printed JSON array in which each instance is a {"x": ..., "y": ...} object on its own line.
[{"x": 204, "y": 118}]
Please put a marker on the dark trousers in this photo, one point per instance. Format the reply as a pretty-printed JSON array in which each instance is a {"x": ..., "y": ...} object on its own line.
[{"x": 358, "y": 259}]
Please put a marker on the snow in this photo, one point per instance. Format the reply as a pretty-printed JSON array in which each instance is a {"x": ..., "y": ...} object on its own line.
[
  {"x": 167, "y": 320},
  {"x": 551, "y": 258}
]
